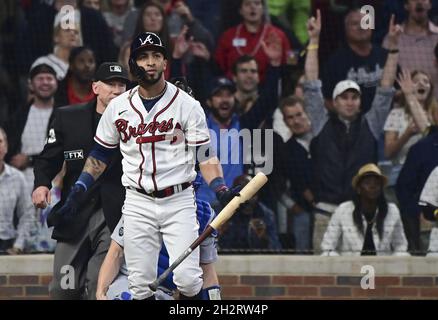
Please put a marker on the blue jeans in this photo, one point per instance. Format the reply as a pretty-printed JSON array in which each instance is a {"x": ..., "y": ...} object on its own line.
[{"x": 301, "y": 229}]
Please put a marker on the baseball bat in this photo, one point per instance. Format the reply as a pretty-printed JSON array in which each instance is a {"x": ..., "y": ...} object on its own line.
[{"x": 226, "y": 213}]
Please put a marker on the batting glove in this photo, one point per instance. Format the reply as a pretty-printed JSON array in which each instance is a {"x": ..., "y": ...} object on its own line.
[
  {"x": 225, "y": 195},
  {"x": 72, "y": 203}
]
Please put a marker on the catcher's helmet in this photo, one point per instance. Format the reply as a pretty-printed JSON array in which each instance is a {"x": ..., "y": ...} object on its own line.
[{"x": 144, "y": 41}]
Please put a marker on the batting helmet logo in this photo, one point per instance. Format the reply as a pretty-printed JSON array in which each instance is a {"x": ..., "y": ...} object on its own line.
[{"x": 147, "y": 40}]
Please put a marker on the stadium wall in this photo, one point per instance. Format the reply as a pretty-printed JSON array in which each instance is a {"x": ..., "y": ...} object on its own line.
[{"x": 268, "y": 277}]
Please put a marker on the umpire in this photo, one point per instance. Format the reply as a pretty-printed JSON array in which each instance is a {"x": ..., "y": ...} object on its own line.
[{"x": 83, "y": 239}]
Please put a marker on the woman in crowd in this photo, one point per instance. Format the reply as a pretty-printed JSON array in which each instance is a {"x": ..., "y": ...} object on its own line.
[
  {"x": 367, "y": 225},
  {"x": 405, "y": 125}
]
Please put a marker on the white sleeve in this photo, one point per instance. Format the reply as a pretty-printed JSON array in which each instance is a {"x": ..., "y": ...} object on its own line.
[
  {"x": 394, "y": 120},
  {"x": 333, "y": 233},
  {"x": 27, "y": 223},
  {"x": 106, "y": 133},
  {"x": 117, "y": 234},
  {"x": 429, "y": 195},
  {"x": 196, "y": 130},
  {"x": 398, "y": 242}
]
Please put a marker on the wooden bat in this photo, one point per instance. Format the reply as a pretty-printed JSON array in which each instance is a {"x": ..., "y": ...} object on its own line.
[{"x": 226, "y": 213}]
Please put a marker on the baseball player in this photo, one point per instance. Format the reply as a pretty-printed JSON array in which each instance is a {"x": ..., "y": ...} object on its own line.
[
  {"x": 155, "y": 124},
  {"x": 113, "y": 275},
  {"x": 429, "y": 205}
]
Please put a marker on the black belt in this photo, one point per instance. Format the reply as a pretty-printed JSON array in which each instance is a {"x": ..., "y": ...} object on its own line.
[{"x": 164, "y": 192}]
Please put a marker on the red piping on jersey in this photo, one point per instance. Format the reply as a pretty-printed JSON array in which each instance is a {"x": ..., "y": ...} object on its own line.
[
  {"x": 112, "y": 146},
  {"x": 139, "y": 146},
  {"x": 151, "y": 139},
  {"x": 154, "y": 165}
]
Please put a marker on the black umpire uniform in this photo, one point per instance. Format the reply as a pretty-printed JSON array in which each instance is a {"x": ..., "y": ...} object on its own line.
[{"x": 84, "y": 240}]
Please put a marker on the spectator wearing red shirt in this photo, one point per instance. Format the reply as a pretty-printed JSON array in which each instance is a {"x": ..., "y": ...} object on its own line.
[
  {"x": 249, "y": 38},
  {"x": 76, "y": 87}
]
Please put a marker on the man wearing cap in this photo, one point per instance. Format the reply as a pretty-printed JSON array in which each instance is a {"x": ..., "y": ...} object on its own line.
[
  {"x": 83, "y": 239},
  {"x": 28, "y": 126},
  {"x": 343, "y": 140},
  {"x": 223, "y": 115}
]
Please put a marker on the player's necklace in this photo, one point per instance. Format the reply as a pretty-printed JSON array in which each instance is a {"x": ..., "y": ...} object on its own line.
[
  {"x": 156, "y": 97},
  {"x": 257, "y": 46}
]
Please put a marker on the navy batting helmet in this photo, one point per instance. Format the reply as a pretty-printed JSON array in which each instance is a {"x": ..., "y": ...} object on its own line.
[{"x": 144, "y": 41}]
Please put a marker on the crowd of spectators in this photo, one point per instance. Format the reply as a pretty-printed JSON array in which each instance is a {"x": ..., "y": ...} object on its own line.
[{"x": 328, "y": 99}]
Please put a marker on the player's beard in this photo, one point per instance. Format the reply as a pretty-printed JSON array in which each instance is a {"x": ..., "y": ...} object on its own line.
[{"x": 151, "y": 80}]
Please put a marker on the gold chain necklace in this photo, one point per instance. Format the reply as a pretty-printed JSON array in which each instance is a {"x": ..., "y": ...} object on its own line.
[{"x": 153, "y": 98}]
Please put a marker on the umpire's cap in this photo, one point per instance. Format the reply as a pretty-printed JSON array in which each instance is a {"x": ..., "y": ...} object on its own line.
[
  {"x": 147, "y": 40},
  {"x": 110, "y": 71}
]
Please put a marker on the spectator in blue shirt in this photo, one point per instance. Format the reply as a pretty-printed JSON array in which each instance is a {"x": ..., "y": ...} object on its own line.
[{"x": 224, "y": 126}]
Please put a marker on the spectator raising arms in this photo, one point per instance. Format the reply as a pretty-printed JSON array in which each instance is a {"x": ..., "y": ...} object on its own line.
[
  {"x": 404, "y": 126},
  {"x": 344, "y": 140},
  {"x": 418, "y": 40}
]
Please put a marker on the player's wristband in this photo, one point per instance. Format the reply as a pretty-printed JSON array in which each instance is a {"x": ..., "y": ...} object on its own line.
[
  {"x": 218, "y": 184},
  {"x": 211, "y": 293},
  {"x": 85, "y": 180}
]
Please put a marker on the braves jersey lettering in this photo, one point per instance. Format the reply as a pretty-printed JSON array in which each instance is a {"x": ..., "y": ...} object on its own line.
[{"x": 126, "y": 131}]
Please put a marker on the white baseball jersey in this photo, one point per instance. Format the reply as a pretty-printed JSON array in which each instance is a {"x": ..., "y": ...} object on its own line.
[
  {"x": 153, "y": 144},
  {"x": 429, "y": 195}
]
